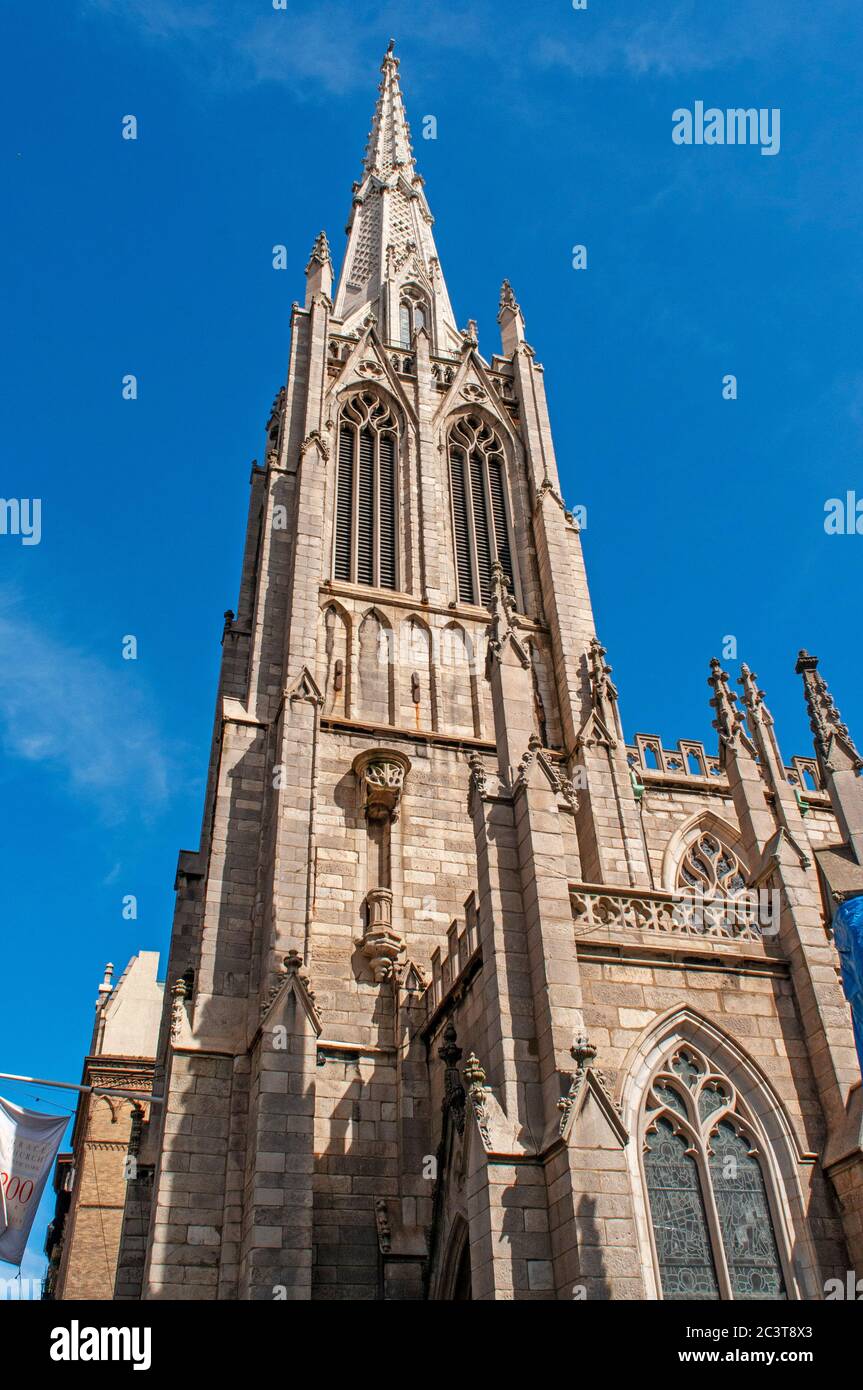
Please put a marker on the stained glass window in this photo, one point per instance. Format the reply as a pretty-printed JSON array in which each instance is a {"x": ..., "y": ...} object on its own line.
[
  {"x": 744, "y": 1216},
  {"x": 687, "y": 1069},
  {"x": 679, "y": 1224},
  {"x": 667, "y": 1095},
  {"x": 712, "y": 1098},
  {"x": 712, "y": 1224}
]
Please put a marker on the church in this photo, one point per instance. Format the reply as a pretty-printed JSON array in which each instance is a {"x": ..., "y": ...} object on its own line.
[{"x": 468, "y": 997}]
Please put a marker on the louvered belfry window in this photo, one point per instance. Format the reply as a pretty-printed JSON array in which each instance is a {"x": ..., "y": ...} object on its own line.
[
  {"x": 479, "y": 508},
  {"x": 366, "y": 494}
]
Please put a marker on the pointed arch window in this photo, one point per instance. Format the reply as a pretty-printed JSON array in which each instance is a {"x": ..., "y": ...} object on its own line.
[
  {"x": 481, "y": 524},
  {"x": 366, "y": 540},
  {"x": 712, "y": 1215},
  {"x": 413, "y": 315}
]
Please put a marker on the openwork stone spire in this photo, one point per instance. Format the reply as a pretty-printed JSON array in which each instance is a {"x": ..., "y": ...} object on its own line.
[
  {"x": 389, "y": 144},
  {"x": 825, "y": 721},
  {"x": 390, "y": 241}
]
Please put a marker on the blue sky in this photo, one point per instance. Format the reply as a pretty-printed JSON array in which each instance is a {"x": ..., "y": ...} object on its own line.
[{"x": 705, "y": 516}]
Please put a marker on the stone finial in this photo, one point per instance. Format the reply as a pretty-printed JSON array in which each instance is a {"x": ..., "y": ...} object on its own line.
[
  {"x": 319, "y": 271},
  {"x": 753, "y": 698},
  {"x": 474, "y": 1077},
  {"x": 583, "y": 1050},
  {"x": 511, "y": 320},
  {"x": 473, "y": 1072},
  {"x": 825, "y": 720},
  {"x": 106, "y": 987},
  {"x": 602, "y": 687},
  {"x": 320, "y": 252},
  {"x": 729, "y": 719},
  {"x": 507, "y": 298},
  {"x": 449, "y": 1051}
]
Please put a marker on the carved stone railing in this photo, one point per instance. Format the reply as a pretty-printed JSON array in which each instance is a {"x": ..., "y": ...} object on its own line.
[
  {"x": 449, "y": 966},
  {"x": 805, "y": 775},
  {"x": 743, "y": 917},
  {"x": 690, "y": 759}
]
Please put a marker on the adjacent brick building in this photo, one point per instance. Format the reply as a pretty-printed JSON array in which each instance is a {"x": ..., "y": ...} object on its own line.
[
  {"x": 471, "y": 998},
  {"x": 92, "y": 1183}
]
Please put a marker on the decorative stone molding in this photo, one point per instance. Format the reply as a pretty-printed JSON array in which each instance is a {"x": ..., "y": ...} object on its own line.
[
  {"x": 315, "y": 440},
  {"x": 412, "y": 978},
  {"x": 583, "y": 1052},
  {"x": 304, "y": 687},
  {"x": 454, "y": 1098},
  {"x": 181, "y": 993},
  {"x": 558, "y": 781},
  {"x": 381, "y": 773},
  {"x": 381, "y": 944},
  {"x": 382, "y": 1217},
  {"x": 292, "y": 969},
  {"x": 478, "y": 774},
  {"x": 547, "y": 489},
  {"x": 503, "y": 621}
]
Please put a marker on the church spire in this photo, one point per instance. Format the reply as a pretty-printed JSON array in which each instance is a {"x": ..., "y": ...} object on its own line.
[
  {"x": 389, "y": 146},
  {"x": 391, "y": 248}
]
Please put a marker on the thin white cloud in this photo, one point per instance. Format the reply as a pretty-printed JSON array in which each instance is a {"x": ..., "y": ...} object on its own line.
[
  {"x": 80, "y": 717},
  {"x": 323, "y": 48}
]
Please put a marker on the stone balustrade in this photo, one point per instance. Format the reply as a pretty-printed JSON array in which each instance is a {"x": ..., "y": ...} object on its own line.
[{"x": 746, "y": 916}]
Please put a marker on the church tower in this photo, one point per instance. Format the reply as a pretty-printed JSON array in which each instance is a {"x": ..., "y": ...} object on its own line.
[{"x": 437, "y": 1014}]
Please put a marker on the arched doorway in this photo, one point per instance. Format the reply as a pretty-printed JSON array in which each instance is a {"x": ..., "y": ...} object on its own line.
[{"x": 456, "y": 1283}]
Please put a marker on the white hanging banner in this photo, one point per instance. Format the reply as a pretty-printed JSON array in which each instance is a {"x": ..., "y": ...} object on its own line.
[{"x": 28, "y": 1147}]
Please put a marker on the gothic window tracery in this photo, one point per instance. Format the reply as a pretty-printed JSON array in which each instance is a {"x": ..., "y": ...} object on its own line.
[
  {"x": 479, "y": 508},
  {"x": 712, "y": 1220},
  {"x": 711, "y": 866},
  {"x": 366, "y": 542}
]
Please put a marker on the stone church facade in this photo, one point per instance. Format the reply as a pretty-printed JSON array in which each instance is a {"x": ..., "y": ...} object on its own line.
[{"x": 467, "y": 996}]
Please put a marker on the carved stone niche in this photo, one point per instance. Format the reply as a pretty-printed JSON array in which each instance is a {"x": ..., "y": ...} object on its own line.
[{"x": 381, "y": 773}]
